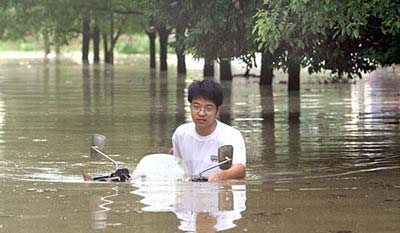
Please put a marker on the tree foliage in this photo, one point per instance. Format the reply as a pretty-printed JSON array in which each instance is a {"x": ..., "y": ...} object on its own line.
[
  {"x": 350, "y": 36},
  {"x": 342, "y": 36},
  {"x": 220, "y": 29}
]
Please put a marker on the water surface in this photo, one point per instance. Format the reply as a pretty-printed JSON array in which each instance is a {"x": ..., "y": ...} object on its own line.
[{"x": 325, "y": 159}]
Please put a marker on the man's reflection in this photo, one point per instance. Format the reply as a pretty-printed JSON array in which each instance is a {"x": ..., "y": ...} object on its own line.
[{"x": 200, "y": 207}]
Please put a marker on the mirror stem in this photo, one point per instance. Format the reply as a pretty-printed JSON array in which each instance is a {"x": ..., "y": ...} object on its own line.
[
  {"x": 216, "y": 165},
  {"x": 96, "y": 148}
]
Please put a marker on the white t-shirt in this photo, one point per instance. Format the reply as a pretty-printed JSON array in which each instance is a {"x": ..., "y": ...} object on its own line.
[{"x": 200, "y": 152}]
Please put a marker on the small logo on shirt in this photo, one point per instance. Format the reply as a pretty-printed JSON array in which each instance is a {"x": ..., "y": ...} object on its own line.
[{"x": 214, "y": 158}]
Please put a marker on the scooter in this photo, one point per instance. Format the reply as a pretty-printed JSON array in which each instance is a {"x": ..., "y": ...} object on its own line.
[
  {"x": 98, "y": 141},
  {"x": 97, "y": 151}
]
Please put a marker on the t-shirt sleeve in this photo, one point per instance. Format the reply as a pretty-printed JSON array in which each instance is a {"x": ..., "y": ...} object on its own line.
[
  {"x": 175, "y": 145},
  {"x": 239, "y": 149}
]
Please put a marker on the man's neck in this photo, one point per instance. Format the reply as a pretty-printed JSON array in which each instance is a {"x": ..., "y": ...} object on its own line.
[{"x": 206, "y": 131}]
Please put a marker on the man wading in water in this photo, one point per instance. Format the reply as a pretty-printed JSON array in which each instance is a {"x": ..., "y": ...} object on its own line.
[{"x": 197, "y": 142}]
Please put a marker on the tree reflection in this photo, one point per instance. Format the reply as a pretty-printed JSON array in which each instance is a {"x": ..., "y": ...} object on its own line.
[
  {"x": 86, "y": 89},
  {"x": 152, "y": 106},
  {"x": 163, "y": 111},
  {"x": 225, "y": 114},
  {"x": 268, "y": 124},
  {"x": 294, "y": 127},
  {"x": 180, "y": 100}
]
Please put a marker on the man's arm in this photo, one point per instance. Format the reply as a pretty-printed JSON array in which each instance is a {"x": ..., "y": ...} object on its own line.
[
  {"x": 171, "y": 151},
  {"x": 237, "y": 171}
]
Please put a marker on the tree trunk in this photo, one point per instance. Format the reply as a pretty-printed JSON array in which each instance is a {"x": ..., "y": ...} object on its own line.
[
  {"x": 180, "y": 48},
  {"x": 85, "y": 39},
  {"x": 225, "y": 71},
  {"x": 46, "y": 42},
  {"x": 105, "y": 47},
  {"x": 181, "y": 69},
  {"x": 112, "y": 44},
  {"x": 208, "y": 70},
  {"x": 96, "y": 44},
  {"x": 57, "y": 44},
  {"x": 152, "y": 37},
  {"x": 267, "y": 72},
  {"x": 294, "y": 75},
  {"x": 163, "y": 34},
  {"x": 109, "y": 42},
  {"x": 57, "y": 48}
]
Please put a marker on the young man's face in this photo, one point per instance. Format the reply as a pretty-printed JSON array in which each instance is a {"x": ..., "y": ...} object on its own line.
[{"x": 204, "y": 113}]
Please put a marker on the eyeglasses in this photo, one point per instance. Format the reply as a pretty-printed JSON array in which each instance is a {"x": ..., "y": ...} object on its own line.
[{"x": 198, "y": 108}]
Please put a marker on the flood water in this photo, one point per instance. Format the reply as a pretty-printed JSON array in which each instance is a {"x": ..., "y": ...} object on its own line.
[{"x": 326, "y": 159}]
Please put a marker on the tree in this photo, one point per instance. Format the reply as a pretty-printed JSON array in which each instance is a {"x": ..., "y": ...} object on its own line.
[
  {"x": 342, "y": 36},
  {"x": 357, "y": 41},
  {"x": 151, "y": 33},
  {"x": 278, "y": 33},
  {"x": 157, "y": 14},
  {"x": 221, "y": 30},
  {"x": 54, "y": 20},
  {"x": 179, "y": 14},
  {"x": 107, "y": 20}
]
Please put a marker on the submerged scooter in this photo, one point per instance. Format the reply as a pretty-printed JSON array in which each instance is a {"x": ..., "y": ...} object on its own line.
[
  {"x": 96, "y": 151},
  {"x": 225, "y": 154}
]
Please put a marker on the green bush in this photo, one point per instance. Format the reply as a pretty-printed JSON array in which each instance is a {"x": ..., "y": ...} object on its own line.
[
  {"x": 139, "y": 45},
  {"x": 27, "y": 46}
]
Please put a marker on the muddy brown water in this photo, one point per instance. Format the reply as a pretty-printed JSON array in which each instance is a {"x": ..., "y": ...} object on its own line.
[{"x": 324, "y": 160}]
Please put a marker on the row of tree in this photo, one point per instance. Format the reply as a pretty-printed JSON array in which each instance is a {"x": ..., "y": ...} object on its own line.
[{"x": 345, "y": 37}]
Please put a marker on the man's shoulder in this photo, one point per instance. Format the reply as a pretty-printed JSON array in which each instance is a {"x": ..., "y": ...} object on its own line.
[
  {"x": 227, "y": 128},
  {"x": 186, "y": 127}
]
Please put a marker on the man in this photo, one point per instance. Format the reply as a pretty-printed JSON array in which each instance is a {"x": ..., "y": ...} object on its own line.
[{"x": 197, "y": 142}]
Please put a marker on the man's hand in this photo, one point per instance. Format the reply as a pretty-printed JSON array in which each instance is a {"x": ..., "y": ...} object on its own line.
[
  {"x": 171, "y": 151},
  {"x": 86, "y": 176},
  {"x": 214, "y": 177},
  {"x": 237, "y": 171}
]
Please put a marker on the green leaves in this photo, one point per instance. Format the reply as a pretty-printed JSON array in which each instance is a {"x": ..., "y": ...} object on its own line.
[
  {"x": 337, "y": 35},
  {"x": 221, "y": 29}
]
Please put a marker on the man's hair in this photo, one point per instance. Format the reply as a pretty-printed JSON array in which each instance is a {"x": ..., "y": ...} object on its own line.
[{"x": 207, "y": 89}]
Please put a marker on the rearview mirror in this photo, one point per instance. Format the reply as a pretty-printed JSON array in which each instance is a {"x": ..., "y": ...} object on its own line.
[
  {"x": 225, "y": 153},
  {"x": 97, "y": 146}
]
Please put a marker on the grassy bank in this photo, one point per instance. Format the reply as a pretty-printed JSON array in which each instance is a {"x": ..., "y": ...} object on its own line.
[{"x": 127, "y": 44}]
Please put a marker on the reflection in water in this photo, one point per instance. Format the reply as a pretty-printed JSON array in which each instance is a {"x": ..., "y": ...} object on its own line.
[
  {"x": 294, "y": 128},
  {"x": 152, "y": 107},
  {"x": 96, "y": 96},
  {"x": 226, "y": 109},
  {"x": 181, "y": 99},
  {"x": 163, "y": 117},
  {"x": 200, "y": 207},
  {"x": 1, "y": 126},
  {"x": 210, "y": 206},
  {"x": 159, "y": 109},
  {"x": 86, "y": 88},
  {"x": 2, "y": 113},
  {"x": 268, "y": 124},
  {"x": 99, "y": 207}
]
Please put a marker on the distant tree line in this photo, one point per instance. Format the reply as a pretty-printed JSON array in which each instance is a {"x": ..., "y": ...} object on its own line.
[{"x": 345, "y": 37}]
